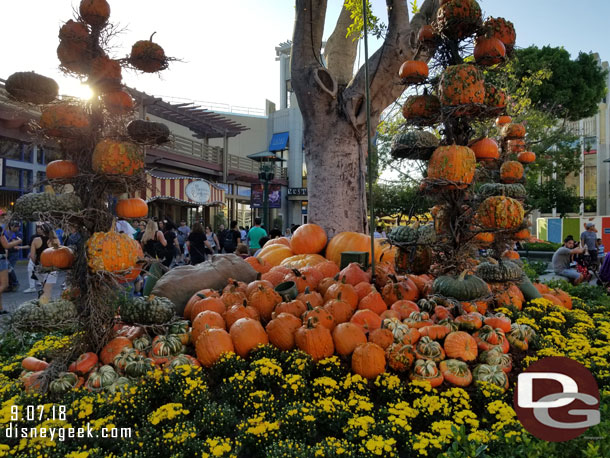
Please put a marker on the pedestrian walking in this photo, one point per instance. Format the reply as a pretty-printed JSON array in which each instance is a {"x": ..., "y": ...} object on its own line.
[
  {"x": 5, "y": 245},
  {"x": 47, "y": 238},
  {"x": 197, "y": 244}
]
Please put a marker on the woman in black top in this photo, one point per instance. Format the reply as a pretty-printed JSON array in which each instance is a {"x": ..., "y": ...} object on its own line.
[
  {"x": 172, "y": 247},
  {"x": 197, "y": 243},
  {"x": 153, "y": 242},
  {"x": 46, "y": 238}
]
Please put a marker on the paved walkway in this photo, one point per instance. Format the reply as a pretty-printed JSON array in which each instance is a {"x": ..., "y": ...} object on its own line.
[{"x": 10, "y": 301}]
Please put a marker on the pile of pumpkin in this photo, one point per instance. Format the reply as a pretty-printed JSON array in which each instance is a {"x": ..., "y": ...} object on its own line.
[{"x": 441, "y": 329}]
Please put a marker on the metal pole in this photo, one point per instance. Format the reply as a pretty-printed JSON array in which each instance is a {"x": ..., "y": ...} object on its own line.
[
  {"x": 266, "y": 204},
  {"x": 368, "y": 138}
]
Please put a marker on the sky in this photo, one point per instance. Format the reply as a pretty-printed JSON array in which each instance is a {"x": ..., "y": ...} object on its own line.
[{"x": 227, "y": 47}]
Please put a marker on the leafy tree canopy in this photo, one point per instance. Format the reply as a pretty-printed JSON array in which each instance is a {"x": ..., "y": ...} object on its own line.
[{"x": 574, "y": 87}]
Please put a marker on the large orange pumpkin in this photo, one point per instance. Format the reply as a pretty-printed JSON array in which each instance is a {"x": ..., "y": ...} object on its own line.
[
  {"x": 275, "y": 254},
  {"x": 281, "y": 331},
  {"x": 458, "y": 18},
  {"x": 453, "y": 163},
  {"x": 315, "y": 340},
  {"x": 114, "y": 253},
  {"x": 347, "y": 241},
  {"x": 485, "y": 149},
  {"x": 346, "y": 337},
  {"x": 413, "y": 71},
  {"x": 368, "y": 360},
  {"x": 57, "y": 257},
  {"x": 501, "y": 29},
  {"x": 147, "y": 56},
  {"x": 211, "y": 344},
  {"x": 117, "y": 158},
  {"x": 500, "y": 212},
  {"x": 425, "y": 109},
  {"x": 131, "y": 208},
  {"x": 308, "y": 239},
  {"x": 511, "y": 172},
  {"x": 246, "y": 334},
  {"x": 61, "y": 169},
  {"x": 462, "y": 84},
  {"x": 64, "y": 120},
  {"x": 489, "y": 51}
]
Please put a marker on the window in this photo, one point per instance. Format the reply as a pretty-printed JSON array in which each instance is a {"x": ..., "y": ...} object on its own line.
[
  {"x": 12, "y": 178},
  {"x": 10, "y": 149}
]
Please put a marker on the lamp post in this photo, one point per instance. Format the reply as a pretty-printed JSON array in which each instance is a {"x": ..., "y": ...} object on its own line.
[{"x": 266, "y": 174}]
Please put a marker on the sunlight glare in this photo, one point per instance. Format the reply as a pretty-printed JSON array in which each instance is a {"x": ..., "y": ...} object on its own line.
[{"x": 76, "y": 89}]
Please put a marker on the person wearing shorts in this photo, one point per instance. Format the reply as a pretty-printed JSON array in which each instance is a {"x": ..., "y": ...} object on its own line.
[
  {"x": 5, "y": 245},
  {"x": 562, "y": 259}
]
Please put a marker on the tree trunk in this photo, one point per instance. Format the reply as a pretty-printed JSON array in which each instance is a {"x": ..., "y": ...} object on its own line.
[
  {"x": 336, "y": 166},
  {"x": 333, "y": 106}
]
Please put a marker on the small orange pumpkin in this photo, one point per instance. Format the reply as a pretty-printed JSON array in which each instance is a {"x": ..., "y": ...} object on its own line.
[
  {"x": 246, "y": 334},
  {"x": 489, "y": 51},
  {"x": 413, "y": 71},
  {"x": 526, "y": 157},
  {"x": 485, "y": 149},
  {"x": 511, "y": 172},
  {"x": 61, "y": 169},
  {"x": 132, "y": 208},
  {"x": 368, "y": 360}
]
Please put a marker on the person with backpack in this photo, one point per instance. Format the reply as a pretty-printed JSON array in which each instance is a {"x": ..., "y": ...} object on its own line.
[{"x": 231, "y": 238}]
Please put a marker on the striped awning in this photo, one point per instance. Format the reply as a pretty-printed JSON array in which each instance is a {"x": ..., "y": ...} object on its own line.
[{"x": 188, "y": 190}]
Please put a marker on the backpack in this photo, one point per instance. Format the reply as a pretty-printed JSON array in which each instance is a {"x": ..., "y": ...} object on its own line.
[{"x": 229, "y": 241}]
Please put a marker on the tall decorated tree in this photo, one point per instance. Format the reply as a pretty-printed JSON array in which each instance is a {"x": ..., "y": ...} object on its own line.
[{"x": 101, "y": 147}]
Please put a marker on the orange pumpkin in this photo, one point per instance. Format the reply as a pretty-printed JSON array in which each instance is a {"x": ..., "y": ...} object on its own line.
[
  {"x": 461, "y": 345},
  {"x": 105, "y": 74},
  {"x": 511, "y": 254},
  {"x": 367, "y": 320},
  {"x": 206, "y": 320},
  {"x": 400, "y": 290},
  {"x": 117, "y": 158},
  {"x": 84, "y": 363},
  {"x": 455, "y": 164},
  {"x": 315, "y": 340},
  {"x": 131, "y": 208},
  {"x": 554, "y": 299},
  {"x": 308, "y": 239},
  {"x": 347, "y": 241},
  {"x": 565, "y": 298},
  {"x": 320, "y": 315},
  {"x": 368, "y": 360},
  {"x": 404, "y": 308},
  {"x": 113, "y": 348},
  {"x": 489, "y": 51},
  {"x": 61, "y": 169},
  {"x": 353, "y": 274},
  {"x": 346, "y": 337},
  {"x": 201, "y": 294},
  {"x": 435, "y": 331},
  {"x": 295, "y": 307},
  {"x": 207, "y": 303},
  {"x": 253, "y": 286},
  {"x": 458, "y": 19},
  {"x": 495, "y": 99},
  {"x": 523, "y": 234},
  {"x": 237, "y": 312},
  {"x": 461, "y": 84},
  {"x": 94, "y": 12},
  {"x": 413, "y": 71},
  {"x": 275, "y": 254},
  {"x": 148, "y": 56},
  {"x": 373, "y": 302},
  {"x": 246, "y": 334},
  {"x": 363, "y": 288},
  {"x": 211, "y": 344},
  {"x": 278, "y": 241},
  {"x": 329, "y": 268},
  {"x": 427, "y": 34},
  {"x": 264, "y": 300},
  {"x": 526, "y": 157},
  {"x": 500, "y": 212},
  {"x": 456, "y": 372},
  {"x": 57, "y": 257},
  {"x": 382, "y": 337},
  {"x": 118, "y": 102},
  {"x": 301, "y": 281},
  {"x": 34, "y": 364},
  {"x": 501, "y": 29},
  {"x": 64, "y": 120},
  {"x": 542, "y": 288},
  {"x": 516, "y": 145},
  {"x": 114, "y": 253},
  {"x": 513, "y": 130},
  {"x": 281, "y": 331},
  {"x": 258, "y": 264},
  {"x": 426, "y": 370},
  {"x": 339, "y": 309},
  {"x": 275, "y": 275},
  {"x": 511, "y": 172},
  {"x": 312, "y": 297},
  {"x": 425, "y": 109},
  {"x": 348, "y": 294},
  {"x": 485, "y": 149},
  {"x": 502, "y": 120}
]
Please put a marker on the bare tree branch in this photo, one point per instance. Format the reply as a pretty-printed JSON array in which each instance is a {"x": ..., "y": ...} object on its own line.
[
  {"x": 340, "y": 50},
  {"x": 306, "y": 46}
]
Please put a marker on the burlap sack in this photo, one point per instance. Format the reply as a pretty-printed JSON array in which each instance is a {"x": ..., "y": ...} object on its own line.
[{"x": 180, "y": 283}]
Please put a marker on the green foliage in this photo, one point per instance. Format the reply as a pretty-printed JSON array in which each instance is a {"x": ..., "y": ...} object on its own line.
[
  {"x": 552, "y": 194},
  {"x": 541, "y": 246},
  {"x": 399, "y": 199},
  {"x": 355, "y": 29},
  {"x": 534, "y": 269},
  {"x": 574, "y": 88}
]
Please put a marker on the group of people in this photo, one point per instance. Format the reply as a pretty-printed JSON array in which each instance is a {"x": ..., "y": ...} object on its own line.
[
  {"x": 160, "y": 239},
  {"x": 575, "y": 260}
]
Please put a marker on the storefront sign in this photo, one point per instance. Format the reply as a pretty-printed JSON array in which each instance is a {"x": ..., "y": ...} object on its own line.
[
  {"x": 198, "y": 191},
  {"x": 275, "y": 196},
  {"x": 297, "y": 191}
]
